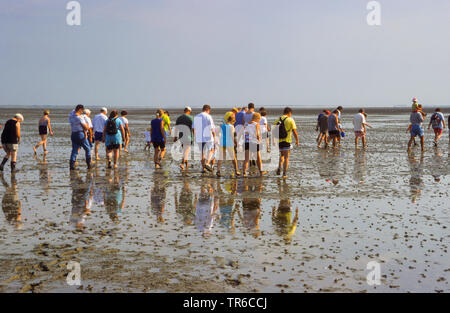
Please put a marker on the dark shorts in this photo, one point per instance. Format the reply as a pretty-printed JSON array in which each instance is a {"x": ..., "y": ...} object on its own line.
[
  {"x": 112, "y": 147},
  {"x": 98, "y": 136},
  {"x": 161, "y": 145},
  {"x": 333, "y": 133},
  {"x": 253, "y": 145},
  {"x": 284, "y": 146},
  {"x": 42, "y": 130}
]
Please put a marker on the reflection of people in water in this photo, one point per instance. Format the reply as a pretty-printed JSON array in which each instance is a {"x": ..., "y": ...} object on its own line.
[
  {"x": 226, "y": 203},
  {"x": 114, "y": 196},
  {"x": 185, "y": 204},
  {"x": 81, "y": 205},
  {"x": 359, "y": 169},
  {"x": 251, "y": 205},
  {"x": 45, "y": 176},
  {"x": 329, "y": 164},
  {"x": 158, "y": 197},
  {"x": 437, "y": 167},
  {"x": 206, "y": 209},
  {"x": 282, "y": 220},
  {"x": 416, "y": 170},
  {"x": 11, "y": 205}
]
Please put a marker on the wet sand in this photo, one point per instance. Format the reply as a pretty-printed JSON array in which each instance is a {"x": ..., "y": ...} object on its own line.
[{"x": 138, "y": 229}]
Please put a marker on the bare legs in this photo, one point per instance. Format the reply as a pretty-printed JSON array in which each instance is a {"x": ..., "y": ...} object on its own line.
[
  {"x": 421, "y": 143},
  {"x": 284, "y": 162},
  {"x": 97, "y": 143},
  {"x": 322, "y": 137},
  {"x": 235, "y": 165},
  {"x": 109, "y": 154},
  {"x": 43, "y": 143}
]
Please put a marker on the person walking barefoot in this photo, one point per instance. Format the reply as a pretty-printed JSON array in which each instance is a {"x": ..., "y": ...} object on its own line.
[
  {"x": 158, "y": 137},
  {"x": 252, "y": 134},
  {"x": 127, "y": 133},
  {"x": 10, "y": 141},
  {"x": 437, "y": 120},
  {"x": 45, "y": 127},
  {"x": 359, "y": 124},
  {"x": 99, "y": 127},
  {"x": 285, "y": 144},
  {"x": 112, "y": 137},
  {"x": 416, "y": 129},
  {"x": 227, "y": 142}
]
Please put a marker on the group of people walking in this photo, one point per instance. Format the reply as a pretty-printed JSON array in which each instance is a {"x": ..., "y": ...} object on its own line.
[{"x": 243, "y": 130}]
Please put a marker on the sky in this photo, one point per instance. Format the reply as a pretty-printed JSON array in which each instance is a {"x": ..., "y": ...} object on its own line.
[{"x": 172, "y": 53}]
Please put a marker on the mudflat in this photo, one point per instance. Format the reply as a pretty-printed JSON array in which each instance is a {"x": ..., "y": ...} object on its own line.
[{"x": 138, "y": 229}]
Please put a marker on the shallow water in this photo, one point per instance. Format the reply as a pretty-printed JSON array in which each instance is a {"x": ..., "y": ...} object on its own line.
[{"x": 141, "y": 229}]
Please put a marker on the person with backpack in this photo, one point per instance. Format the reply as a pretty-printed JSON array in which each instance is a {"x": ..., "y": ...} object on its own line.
[
  {"x": 10, "y": 141},
  {"x": 437, "y": 120},
  {"x": 286, "y": 127},
  {"x": 112, "y": 137}
]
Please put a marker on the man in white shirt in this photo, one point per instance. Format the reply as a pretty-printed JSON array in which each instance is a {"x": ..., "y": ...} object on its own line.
[
  {"x": 99, "y": 125},
  {"x": 205, "y": 136},
  {"x": 359, "y": 124}
]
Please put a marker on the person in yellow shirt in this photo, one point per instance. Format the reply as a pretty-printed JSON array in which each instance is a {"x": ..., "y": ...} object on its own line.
[
  {"x": 166, "y": 120},
  {"x": 285, "y": 144}
]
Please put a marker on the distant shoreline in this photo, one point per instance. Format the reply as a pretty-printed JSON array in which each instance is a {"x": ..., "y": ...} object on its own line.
[{"x": 220, "y": 110}]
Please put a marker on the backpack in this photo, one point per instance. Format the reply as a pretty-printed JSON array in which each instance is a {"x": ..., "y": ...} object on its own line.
[
  {"x": 435, "y": 119},
  {"x": 282, "y": 133},
  {"x": 111, "y": 127}
]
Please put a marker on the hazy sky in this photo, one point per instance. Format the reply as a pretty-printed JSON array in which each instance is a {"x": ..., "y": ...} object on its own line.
[{"x": 171, "y": 53}]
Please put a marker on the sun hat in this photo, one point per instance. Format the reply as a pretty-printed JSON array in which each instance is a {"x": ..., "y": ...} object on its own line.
[
  {"x": 414, "y": 99},
  {"x": 19, "y": 117}
]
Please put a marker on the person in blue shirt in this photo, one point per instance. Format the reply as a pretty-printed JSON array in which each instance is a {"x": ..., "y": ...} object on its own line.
[
  {"x": 113, "y": 134},
  {"x": 79, "y": 136},
  {"x": 240, "y": 117}
]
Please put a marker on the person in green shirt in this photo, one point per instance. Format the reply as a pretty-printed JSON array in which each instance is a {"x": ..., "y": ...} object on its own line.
[
  {"x": 166, "y": 120},
  {"x": 285, "y": 144}
]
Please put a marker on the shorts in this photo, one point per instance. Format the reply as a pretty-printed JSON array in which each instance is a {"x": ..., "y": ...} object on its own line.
[
  {"x": 438, "y": 131},
  {"x": 161, "y": 145},
  {"x": 112, "y": 147},
  {"x": 253, "y": 145},
  {"x": 42, "y": 130},
  {"x": 323, "y": 132},
  {"x": 208, "y": 146},
  {"x": 284, "y": 146},
  {"x": 416, "y": 130},
  {"x": 359, "y": 133},
  {"x": 334, "y": 133},
  {"x": 98, "y": 136},
  {"x": 10, "y": 147}
]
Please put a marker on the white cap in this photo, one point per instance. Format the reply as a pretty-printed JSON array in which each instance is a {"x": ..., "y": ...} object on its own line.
[
  {"x": 188, "y": 109},
  {"x": 104, "y": 109},
  {"x": 19, "y": 117}
]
